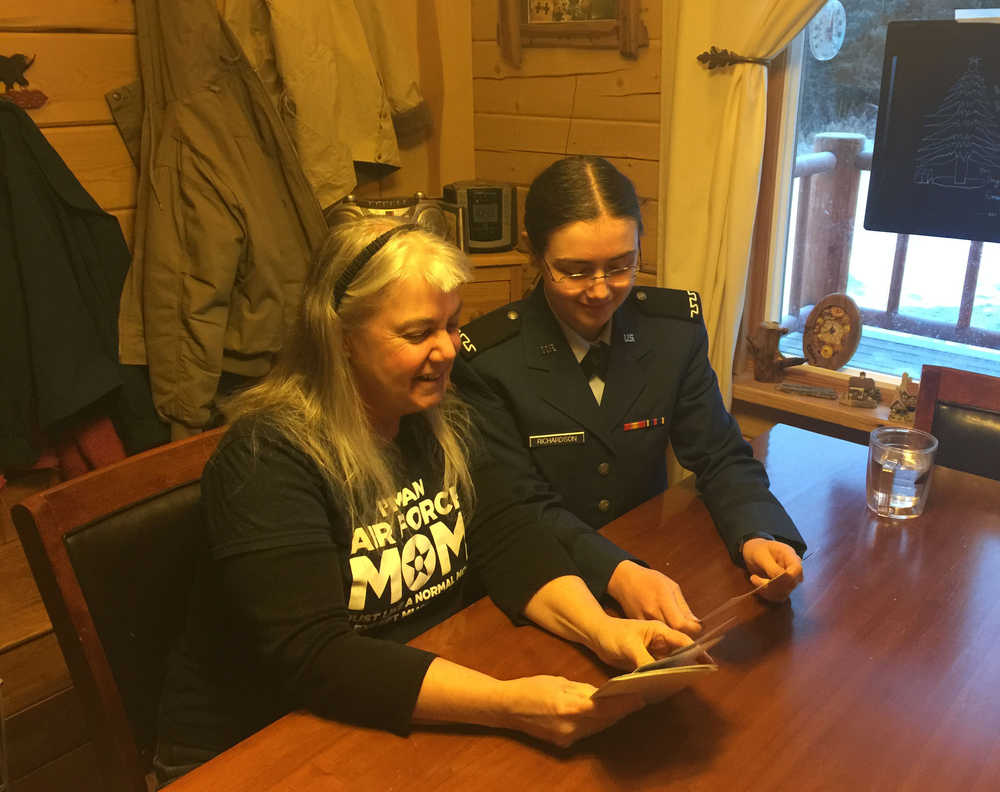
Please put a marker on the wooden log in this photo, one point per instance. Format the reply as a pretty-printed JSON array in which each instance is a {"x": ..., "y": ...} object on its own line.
[
  {"x": 539, "y": 96},
  {"x": 488, "y": 61},
  {"x": 522, "y": 167},
  {"x": 74, "y": 70},
  {"x": 33, "y": 671},
  {"x": 98, "y": 158},
  {"x": 768, "y": 363},
  {"x": 521, "y": 132},
  {"x": 107, "y": 16},
  {"x": 830, "y": 225}
]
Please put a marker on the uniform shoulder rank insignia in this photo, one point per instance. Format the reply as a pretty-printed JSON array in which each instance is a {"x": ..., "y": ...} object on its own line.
[
  {"x": 671, "y": 303},
  {"x": 489, "y": 330}
]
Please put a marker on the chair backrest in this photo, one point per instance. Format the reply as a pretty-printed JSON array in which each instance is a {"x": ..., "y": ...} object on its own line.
[
  {"x": 3, "y": 741},
  {"x": 114, "y": 553},
  {"x": 962, "y": 410}
]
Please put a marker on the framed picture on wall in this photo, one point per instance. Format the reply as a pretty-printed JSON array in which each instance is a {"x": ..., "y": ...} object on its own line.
[{"x": 597, "y": 24}]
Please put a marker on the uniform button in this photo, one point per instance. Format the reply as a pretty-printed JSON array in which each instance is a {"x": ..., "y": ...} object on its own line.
[
  {"x": 603, "y": 505},
  {"x": 512, "y": 315},
  {"x": 640, "y": 295},
  {"x": 604, "y": 468}
]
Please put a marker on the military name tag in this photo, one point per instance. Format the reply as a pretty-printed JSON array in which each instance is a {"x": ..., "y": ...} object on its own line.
[{"x": 567, "y": 438}]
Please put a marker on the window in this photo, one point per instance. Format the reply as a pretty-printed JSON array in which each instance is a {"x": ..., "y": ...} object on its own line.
[{"x": 922, "y": 299}]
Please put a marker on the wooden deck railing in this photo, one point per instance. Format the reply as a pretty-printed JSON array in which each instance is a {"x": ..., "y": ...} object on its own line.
[{"x": 824, "y": 230}]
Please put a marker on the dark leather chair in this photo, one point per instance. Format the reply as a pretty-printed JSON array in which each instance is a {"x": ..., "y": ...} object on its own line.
[
  {"x": 113, "y": 553},
  {"x": 962, "y": 410}
]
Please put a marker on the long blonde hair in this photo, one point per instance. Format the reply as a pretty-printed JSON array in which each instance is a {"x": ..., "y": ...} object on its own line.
[{"x": 311, "y": 396}]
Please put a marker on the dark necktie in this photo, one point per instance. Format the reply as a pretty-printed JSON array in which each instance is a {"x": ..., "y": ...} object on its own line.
[{"x": 595, "y": 362}]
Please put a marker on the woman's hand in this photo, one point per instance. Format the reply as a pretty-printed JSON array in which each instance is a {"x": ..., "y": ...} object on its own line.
[
  {"x": 560, "y": 711},
  {"x": 550, "y": 708},
  {"x": 766, "y": 560},
  {"x": 647, "y": 594},
  {"x": 566, "y": 607},
  {"x": 630, "y": 643}
]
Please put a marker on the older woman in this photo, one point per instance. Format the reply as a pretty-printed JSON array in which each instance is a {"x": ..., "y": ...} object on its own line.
[
  {"x": 343, "y": 520},
  {"x": 599, "y": 377}
]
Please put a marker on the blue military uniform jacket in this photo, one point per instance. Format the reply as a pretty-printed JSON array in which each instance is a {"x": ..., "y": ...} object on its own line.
[{"x": 605, "y": 459}]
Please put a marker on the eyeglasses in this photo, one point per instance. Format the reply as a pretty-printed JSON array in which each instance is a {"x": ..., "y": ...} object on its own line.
[{"x": 617, "y": 272}]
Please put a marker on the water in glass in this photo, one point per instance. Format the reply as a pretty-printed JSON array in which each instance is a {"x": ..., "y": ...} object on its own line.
[{"x": 900, "y": 466}]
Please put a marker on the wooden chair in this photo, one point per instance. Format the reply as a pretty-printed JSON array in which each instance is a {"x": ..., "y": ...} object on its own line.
[
  {"x": 3, "y": 740},
  {"x": 113, "y": 553},
  {"x": 962, "y": 410}
]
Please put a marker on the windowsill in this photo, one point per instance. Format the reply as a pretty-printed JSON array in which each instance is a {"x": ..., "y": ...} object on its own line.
[
  {"x": 747, "y": 389},
  {"x": 892, "y": 352}
]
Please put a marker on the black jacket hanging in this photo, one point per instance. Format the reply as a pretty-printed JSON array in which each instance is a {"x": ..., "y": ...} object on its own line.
[{"x": 62, "y": 264}]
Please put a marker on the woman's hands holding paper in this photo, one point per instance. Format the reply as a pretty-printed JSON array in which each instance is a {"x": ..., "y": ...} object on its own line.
[
  {"x": 645, "y": 593},
  {"x": 559, "y": 710},
  {"x": 630, "y": 643}
]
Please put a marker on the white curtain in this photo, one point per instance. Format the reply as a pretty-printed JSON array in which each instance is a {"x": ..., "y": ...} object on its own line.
[{"x": 712, "y": 144}]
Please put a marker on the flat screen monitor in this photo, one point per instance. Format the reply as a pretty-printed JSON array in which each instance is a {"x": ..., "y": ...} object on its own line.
[{"x": 936, "y": 159}]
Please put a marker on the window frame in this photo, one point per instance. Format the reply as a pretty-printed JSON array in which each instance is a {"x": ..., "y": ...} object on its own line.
[
  {"x": 783, "y": 148},
  {"x": 771, "y": 244},
  {"x": 763, "y": 297},
  {"x": 773, "y": 219},
  {"x": 767, "y": 256}
]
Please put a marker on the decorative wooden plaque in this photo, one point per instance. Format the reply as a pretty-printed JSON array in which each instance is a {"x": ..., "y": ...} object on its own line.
[{"x": 832, "y": 332}]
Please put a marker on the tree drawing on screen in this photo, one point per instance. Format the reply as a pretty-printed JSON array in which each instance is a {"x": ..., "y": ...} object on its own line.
[{"x": 961, "y": 147}]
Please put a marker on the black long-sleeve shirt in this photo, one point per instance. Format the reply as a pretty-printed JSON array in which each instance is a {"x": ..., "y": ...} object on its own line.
[{"x": 293, "y": 608}]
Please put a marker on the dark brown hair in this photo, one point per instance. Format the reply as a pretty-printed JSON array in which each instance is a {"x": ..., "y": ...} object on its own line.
[{"x": 573, "y": 189}]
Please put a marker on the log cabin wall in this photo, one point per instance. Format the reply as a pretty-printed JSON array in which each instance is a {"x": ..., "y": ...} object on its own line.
[
  {"x": 572, "y": 101},
  {"x": 83, "y": 49}
]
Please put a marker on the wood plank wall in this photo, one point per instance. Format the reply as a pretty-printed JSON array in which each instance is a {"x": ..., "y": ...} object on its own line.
[
  {"x": 85, "y": 49},
  {"x": 570, "y": 101},
  {"x": 82, "y": 50}
]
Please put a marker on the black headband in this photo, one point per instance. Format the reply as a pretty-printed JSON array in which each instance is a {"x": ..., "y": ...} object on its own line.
[{"x": 351, "y": 271}]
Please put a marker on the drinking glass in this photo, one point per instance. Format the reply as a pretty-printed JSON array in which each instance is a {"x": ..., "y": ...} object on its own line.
[{"x": 900, "y": 466}]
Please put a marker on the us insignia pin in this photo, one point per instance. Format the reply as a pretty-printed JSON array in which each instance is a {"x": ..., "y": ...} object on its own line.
[
  {"x": 629, "y": 338},
  {"x": 547, "y": 349}
]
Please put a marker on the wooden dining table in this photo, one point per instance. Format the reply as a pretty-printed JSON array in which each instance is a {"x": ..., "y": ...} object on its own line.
[{"x": 882, "y": 671}]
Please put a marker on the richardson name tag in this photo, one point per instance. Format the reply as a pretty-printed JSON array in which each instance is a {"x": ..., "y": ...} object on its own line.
[{"x": 567, "y": 438}]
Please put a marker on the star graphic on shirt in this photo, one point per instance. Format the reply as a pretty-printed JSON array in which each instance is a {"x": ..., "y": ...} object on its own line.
[{"x": 419, "y": 561}]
